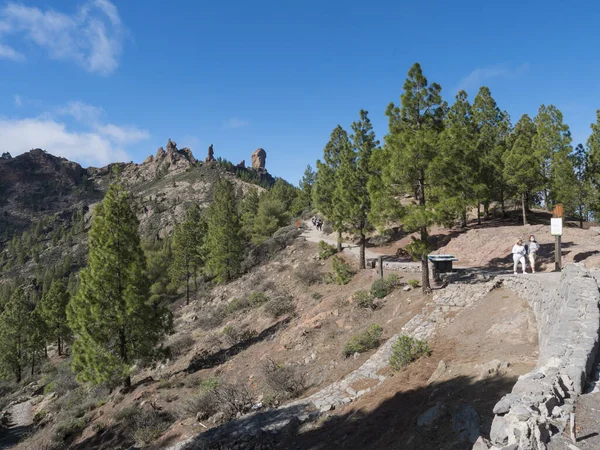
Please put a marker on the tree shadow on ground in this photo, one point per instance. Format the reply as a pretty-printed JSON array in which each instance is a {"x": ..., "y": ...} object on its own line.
[
  {"x": 390, "y": 425},
  {"x": 12, "y": 435},
  {"x": 210, "y": 360},
  {"x": 584, "y": 255}
]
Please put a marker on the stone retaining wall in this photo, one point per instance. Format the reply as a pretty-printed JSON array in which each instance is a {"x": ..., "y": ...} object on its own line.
[{"x": 568, "y": 321}]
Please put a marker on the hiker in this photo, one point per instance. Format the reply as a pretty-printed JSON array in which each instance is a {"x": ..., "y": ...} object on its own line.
[
  {"x": 532, "y": 251},
  {"x": 518, "y": 252},
  {"x": 319, "y": 224},
  {"x": 314, "y": 221}
]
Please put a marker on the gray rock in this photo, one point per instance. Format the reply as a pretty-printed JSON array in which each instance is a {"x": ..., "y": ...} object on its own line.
[
  {"x": 499, "y": 431},
  {"x": 441, "y": 368},
  {"x": 432, "y": 415},
  {"x": 466, "y": 423},
  {"x": 480, "y": 444}
]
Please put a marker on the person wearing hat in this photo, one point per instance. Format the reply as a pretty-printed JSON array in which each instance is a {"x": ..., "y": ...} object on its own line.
[{"x": 518, "y": 252}]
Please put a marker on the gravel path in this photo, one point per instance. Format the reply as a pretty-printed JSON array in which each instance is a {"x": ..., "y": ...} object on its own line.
[{"x": 20, "y": 424}]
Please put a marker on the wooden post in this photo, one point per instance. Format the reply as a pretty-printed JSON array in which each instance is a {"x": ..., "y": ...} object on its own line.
[
  {"x": 381, "y": 267},
  {"x": 557, "y": 254}
]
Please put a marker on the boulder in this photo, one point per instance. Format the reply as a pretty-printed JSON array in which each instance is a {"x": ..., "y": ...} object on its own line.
[
  {"x": 211, "y": 154},
  {"x": 466, "y": 423},
  {"x": 432, "y": 415}
]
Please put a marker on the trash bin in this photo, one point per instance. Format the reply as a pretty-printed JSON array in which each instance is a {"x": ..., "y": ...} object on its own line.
[{"x": 441, "y": 264}]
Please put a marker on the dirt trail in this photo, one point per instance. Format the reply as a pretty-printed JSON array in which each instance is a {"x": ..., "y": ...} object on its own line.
[
  {"x": 313, "y": 235},
  {"x": 20, "y": 424}
]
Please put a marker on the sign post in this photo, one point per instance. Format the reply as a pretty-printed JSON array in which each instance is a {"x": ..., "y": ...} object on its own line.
[{"x": 556, "y": 229}]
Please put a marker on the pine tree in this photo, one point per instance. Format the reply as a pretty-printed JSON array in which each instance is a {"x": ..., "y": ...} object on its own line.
[
  {"x": 412, "y": 145},
  {"x": 580, "y": 162},
  {"x": 304, "y": 200},
  {"x": 552, "y": 144},
  {"x": 248, "y": 208},
  {"x": 223, "y": 245},
  {"x": 522, "y": 164},
  {"x": 111, "y": 316},
  {"x": 458, "y": 166},
  {"x": 492, "y": 130},
  {"x": 271, "y": 216},
  {"x": 53, "y": 310},
  {"x": 352, "y": 202},
  {"x": 14, "y": 325},
  {"x": 188, "y": 241},
  {"x": 326, "y": 181}
]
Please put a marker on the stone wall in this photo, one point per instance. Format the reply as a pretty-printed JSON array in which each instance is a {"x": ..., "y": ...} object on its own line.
[{"x": 567, "y": 315}]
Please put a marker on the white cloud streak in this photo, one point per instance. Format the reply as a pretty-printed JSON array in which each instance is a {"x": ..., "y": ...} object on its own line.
[
  {"x": 92, "y": 37},
  {"x": 480, "y": 75},
  {"x": 98, "y": 144},
  {"x": 235, "y": 123}
]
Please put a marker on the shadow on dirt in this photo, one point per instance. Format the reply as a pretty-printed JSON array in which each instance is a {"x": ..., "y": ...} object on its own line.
[{"x": 390, "y": 425}]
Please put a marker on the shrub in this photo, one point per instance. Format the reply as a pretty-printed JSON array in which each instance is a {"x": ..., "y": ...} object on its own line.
[
  {"x": 149, "y": 425},
  {"x": 126, "y": 413},
  {"x": 326, "y": 250},
  {"x": 393, "y": 280},
  {"x": 238, "y": 304},
  {"x": 341, "y": 272},
  {"x": 209, "y": 384},
  {"x": 257, "y": 299},
  {"x": 280, "y": 306},
  {"x": 406, "y": 350},
  {"x": 212, "y": 318},
  {"x": 181, "y": 345},
  {"x": 99, "y": 427},
  {"x": 379, "y": 288},
  {"x": 309, "y": 274},
  {"x": 234, "y": 335},
  {"x": 68, "y": 428},
  {"x": 362, "y": 342},
  {"x": 61, "y": 379},
  {"x": 413, "y": 283},
  {"x": 363, "y": 299},
  {"x": 229, "y": 399},
  {"x": 283, "y": 382},
  {"x": 316, "y": 296}
]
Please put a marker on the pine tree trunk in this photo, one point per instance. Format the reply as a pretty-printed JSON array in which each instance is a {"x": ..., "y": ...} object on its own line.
[
  {"x": 502, "y": 203},
  {"x": 486, "y": 210},
  {"x": 18, "y": 373},
  {"x": 187, "y": 288},
  {"x": 463, "y": 222},
  {"x": 33, "y": 364},
  {"x": 59, "y": 347},
  {"x": 363, "y": 241},
  {"x": 339, "y": 242},
  {"x": 478, "y": 213},
  {"x": 523, "y": 204}
]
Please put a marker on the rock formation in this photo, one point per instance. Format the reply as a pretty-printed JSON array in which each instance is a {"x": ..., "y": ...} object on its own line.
[
  {"x": 6, "y": 155},
  {"x": 242, "y": 164},
  {"x": 259, "y": 158},
  {"x": 211, "y": 154}
]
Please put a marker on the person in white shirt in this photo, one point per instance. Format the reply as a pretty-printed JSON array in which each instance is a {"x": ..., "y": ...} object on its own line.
[
  {"x": 532, "y": 252},
  {"x": 518, "y": 252}
]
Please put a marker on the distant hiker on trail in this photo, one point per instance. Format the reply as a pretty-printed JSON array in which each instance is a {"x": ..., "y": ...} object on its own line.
[
  {"x": 532, "y": 251},
  {"x": 518, "y": 252},
  {"x": 319, "y": 225},
  {"x": 314, "y": 221}
]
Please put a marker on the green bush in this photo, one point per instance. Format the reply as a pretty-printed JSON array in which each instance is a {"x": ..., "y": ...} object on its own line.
[
  {"x": 126, "y": 413},
  {"x": 363, "y": 299},
  {"x": 280, "y": 306},
  {"x": 379, "y": 288},
  {"x": 149, "y": 425},
  {"x": 316, "y": 296},
  {"x": 362, "y": 342},
  {"x": 341, "y": 272},
  {"x": 235, "y": 335},
  {"x": 326, "y": 250},
  {"x": 238, "y": 304},
  {"x": 413, "y": 283},
  {"x": 257, "y": 299},
  {"x": 406, "y": 350},
  {"x": 210, "y": 383},
  {"x": 68, "y": 428},
  {"x": 393, "y": 280}
]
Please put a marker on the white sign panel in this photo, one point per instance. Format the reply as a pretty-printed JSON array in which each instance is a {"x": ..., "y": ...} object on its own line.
[{"x": 556, "y": 226}]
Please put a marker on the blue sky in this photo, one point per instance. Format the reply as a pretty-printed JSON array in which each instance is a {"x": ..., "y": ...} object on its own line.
[{"x": 97, "y": 81}]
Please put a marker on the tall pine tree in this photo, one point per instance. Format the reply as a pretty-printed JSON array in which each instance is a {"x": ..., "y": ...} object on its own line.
[
  {"x": 113, "y": 320},
  {"x": 53, "y": 309},
  {"x": 14, "y": 327},
  {"x": 352, "y": 202},
  {"x": 224, "y": 246},
  {"x": 412, "y": 145}
]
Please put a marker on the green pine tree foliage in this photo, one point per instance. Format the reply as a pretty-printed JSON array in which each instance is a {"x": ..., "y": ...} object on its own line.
[
  {"x": 113, "y": 320},
  {"x": 458, "y": 166},
  {"x": 53, "y": 310},
  {"x": 552, "y": 144},
  {"x": 522, "y": 164},
  {"x": 159, "y": 256},
  {"x": 304, "y": 201},
  {"x": 584, "y": 191},
  {"x": 326, "y": 181},
  {"x": 248, "y": 208},
  {"x": 412, "y": 145},
  {"x": 14, "y": 327},
  {"x": 270, "y": 217},
  {"x": 224, "y": 245},
  {"x": 492, "y": 130},
  {"x": 37, "y": 333},
  {"x": 284, "y": 192},
  {"x": 352, "y": 202},
  {"x": 187, "y": 247}
]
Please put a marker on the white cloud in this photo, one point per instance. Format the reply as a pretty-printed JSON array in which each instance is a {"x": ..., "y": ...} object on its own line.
[
  {"x": 480, "y": 75},
  {"x": 97, "y": 144},
  {"x": 92, "y": 37},
  {"x": 235, "y": 123},
  {"x": 18, "y": 100},
  {"x": 7, "y": 52}
]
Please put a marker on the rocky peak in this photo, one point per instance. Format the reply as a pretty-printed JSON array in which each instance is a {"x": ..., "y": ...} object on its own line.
[
  {"x": 259, "y": 159},
  {"x": 6, "y": 156}
]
